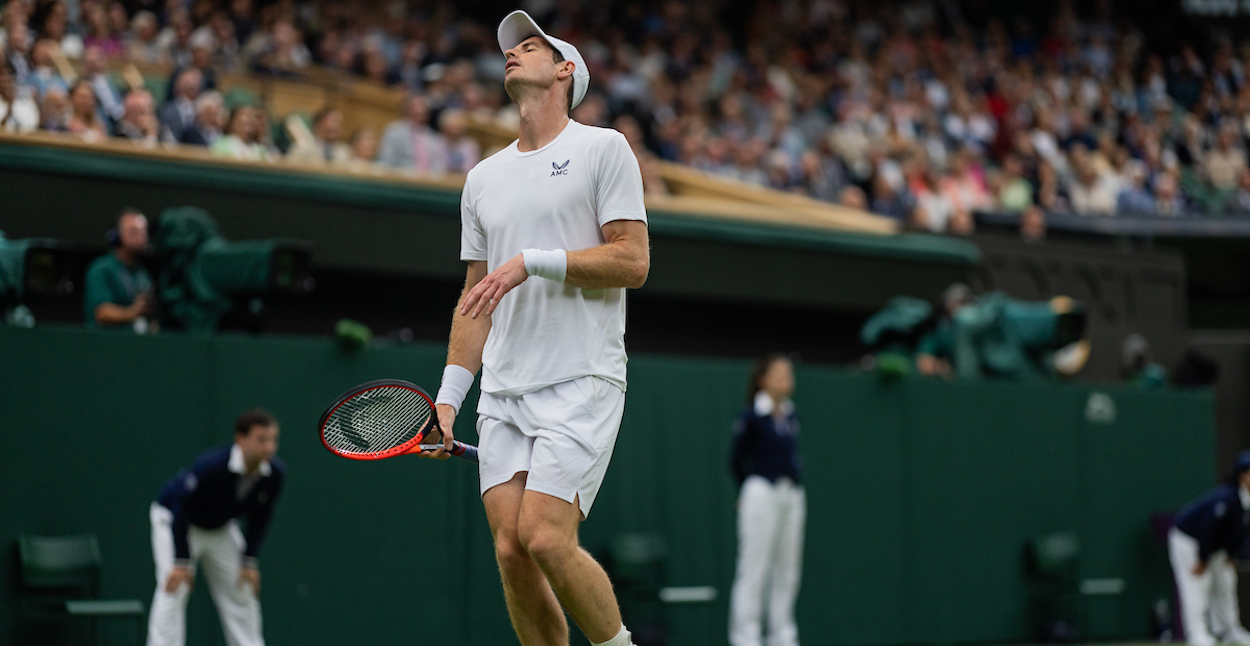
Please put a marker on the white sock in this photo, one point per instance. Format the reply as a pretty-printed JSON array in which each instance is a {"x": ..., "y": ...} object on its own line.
[{"x": 621, "y": 639}]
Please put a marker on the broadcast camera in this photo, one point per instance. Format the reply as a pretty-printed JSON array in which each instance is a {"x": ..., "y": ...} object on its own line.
[
  {"x": 30, "y": 267},
  {"x": 201, "y": 276}
]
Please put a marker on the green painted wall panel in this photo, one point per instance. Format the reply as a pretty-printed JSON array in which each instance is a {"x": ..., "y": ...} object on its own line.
[
  {"x": 988, "y": 469},
  {"x": 1130, "y": 477},
  {"x": 921, "y": 493},
  {"x": 853, "y": 452}
]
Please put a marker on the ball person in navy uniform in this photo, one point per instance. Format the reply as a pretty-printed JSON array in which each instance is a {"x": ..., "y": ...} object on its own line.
[
  {"x": 194, "y": 521},
  {"x": 1210, "y": 533},
  {"x": 772, "y": 509}
]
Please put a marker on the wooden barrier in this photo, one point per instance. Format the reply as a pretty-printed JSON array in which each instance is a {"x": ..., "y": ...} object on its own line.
[{"x": 178, "y": 153}]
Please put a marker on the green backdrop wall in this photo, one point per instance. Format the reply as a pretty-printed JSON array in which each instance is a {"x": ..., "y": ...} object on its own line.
[{"x": 921, "y": 493}]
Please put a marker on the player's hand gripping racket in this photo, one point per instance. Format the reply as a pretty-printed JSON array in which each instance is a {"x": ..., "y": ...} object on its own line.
[{"x": 383, "y": 419}]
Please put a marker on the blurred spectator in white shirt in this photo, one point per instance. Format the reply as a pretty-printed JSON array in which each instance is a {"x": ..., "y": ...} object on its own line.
[
  {"x": 1093, "y": 192},
  {"x": 51, "y": 20},
  {"x": 175, "y": 38},
  {"x": 209, "y": 110},
  {"x": 364, "y": 145},
  {"x": 54, "y": 110},
  {"x": 1168, "y": 200},
  {"x": 143, "y": 48},
  {"x": 85, "y": 121},
  {"x": 1224, "y": 164},
  {"x": 281, "y": 51},
  {"x": 463, "y": 152},
  {"x": 411, "y": 144},
  {"x": 139, "y": 122},
  {"x": 18, "y": 111},
  {"x": 242, "y": 138},
  {"x": 327, "y": 146}
]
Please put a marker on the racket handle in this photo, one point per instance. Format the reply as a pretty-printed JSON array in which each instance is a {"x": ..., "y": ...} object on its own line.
[
  {"x": 458, "y": 449},
  {"x": 466, "y": 451}
]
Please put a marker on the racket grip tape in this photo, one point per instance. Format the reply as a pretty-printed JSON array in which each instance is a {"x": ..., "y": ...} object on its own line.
[
  {"x": 466, "y": 451},
  {"x": 458, "y": 449}
]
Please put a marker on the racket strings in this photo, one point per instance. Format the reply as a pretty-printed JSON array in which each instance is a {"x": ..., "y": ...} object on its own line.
[{"x": 378, "y": 419}]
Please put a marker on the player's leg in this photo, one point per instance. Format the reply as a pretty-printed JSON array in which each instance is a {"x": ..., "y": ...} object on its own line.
[
  {"x": 787, "y": 569},
  {"x": 532, "y": 606},
  {"x": 757, "y": 532},
  {"x": 167, "y": 620},
  {"x": 238, "y": 607},
  {"x": 1225, "y": 614},
  {"x": 548, "y": 530},
  {"x": 1193, "y": 590},
  {"x": 574, "y": 424},
  {"x": 504, "y": 462}
]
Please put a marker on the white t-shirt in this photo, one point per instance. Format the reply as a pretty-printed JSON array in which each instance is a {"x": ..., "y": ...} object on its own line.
[
  {"x": 557, "y": 197},
  {"x": 25, "y": 115}
]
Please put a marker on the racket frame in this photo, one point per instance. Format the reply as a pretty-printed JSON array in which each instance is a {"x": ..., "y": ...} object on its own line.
[{"x": 406, "y": 447}]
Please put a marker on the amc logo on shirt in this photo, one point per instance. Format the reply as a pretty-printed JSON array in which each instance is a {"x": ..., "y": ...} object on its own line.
[{"x": 560, "y": 169}]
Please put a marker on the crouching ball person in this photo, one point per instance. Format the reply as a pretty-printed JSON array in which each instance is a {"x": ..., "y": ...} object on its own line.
[
  {"x": 194, "y": 522},
  {"x": 772, "y": 509},
  {"x": 1210, "y": 533}
]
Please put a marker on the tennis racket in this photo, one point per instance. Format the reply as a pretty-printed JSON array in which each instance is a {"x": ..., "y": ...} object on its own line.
[{"x": 382, "y": 419}]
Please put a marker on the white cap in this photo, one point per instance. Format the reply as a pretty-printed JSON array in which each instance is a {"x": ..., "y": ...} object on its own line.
[{"x": 517, "y": 26}]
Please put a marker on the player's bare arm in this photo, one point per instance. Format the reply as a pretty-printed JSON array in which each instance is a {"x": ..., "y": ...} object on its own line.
[
  {"x": 464, "y": 348},
  {"x": 623, "y": 260}
]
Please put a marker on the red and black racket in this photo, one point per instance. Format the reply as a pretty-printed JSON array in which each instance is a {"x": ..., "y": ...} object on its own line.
[{"x": 382, "y": 419}]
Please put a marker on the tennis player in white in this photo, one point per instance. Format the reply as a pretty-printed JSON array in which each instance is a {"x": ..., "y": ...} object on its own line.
[{"x": 554, "y": 229}]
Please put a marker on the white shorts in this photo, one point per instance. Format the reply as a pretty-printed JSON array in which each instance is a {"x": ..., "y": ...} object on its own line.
[{"x": 563, "y": 435}]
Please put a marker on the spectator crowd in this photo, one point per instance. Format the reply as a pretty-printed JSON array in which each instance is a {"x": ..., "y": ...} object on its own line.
[{"x": 902, "y": 108}]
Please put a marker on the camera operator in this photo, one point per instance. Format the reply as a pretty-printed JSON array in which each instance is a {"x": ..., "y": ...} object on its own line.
[{"x": 118, "y": 289}]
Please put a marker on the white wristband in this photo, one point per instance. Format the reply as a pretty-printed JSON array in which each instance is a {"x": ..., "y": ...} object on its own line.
[
  {"x": 457, "y": 380},
  {"x": 549, "y": 264}
]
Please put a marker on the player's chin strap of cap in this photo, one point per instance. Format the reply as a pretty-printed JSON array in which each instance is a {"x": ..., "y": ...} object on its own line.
[
  {"x": 457, "y": 380},
  {"x": 549, "y": 264}
]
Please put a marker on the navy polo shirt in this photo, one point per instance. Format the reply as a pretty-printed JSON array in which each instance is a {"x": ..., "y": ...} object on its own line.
[
  {"x": 215, "y": 490},
  {"x": 1219, "y": 520},
  {"x": 765, "y": 445}
]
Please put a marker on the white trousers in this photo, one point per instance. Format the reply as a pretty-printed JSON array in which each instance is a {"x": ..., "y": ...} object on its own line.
[
  {"x": 1208, "y": 601},
  {"x": 771, "y": 517},
  {"x": 220, "y": 553}
]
